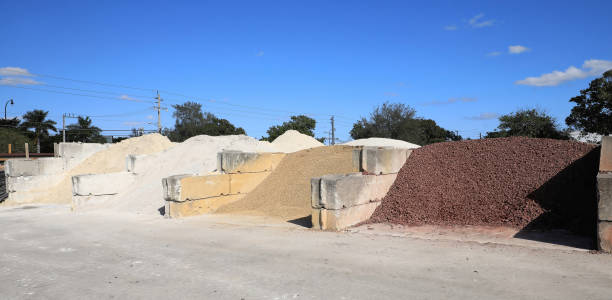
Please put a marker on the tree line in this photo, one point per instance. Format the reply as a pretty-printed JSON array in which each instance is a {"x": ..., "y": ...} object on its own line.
[{"x": 592, "y": 113}]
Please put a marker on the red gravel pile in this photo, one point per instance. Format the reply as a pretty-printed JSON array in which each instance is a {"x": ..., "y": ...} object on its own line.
[{"x": 498, "y": 182}]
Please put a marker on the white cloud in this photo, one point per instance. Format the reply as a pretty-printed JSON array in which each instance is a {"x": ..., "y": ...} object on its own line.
[
  {"x": 517, "y": 49},
  {"x": 128, "y": 98},
  {"x": 592, "y": 67},
  {"x": 478, "y": 22},
  {"x": 451, "y": 101},
  {"x": 14, "y": 71},
  {"x": 391, "y": 94},
  {"x": 150, "y": 117},
  {"x": 260, "y": 53},
  {"x": 450, "y": 27},
  {"x": 494, "y": 53},
  {"x": 483, "y": 116},
  {"x": 133, "y": 123},
  {"x": 18, "y": 81}
]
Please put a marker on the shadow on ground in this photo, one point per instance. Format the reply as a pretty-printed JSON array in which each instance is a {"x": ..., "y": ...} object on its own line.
[
  {"x": 303, "y": 221},
  {"x": 570, "y": 203}
]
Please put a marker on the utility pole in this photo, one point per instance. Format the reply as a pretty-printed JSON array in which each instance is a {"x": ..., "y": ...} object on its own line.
[
  {"x": 159, "y": 109},
  {"x": 64, "y": 116},
  {"x": 158, "y": 112},
  {"x": 333, "y": 131}
]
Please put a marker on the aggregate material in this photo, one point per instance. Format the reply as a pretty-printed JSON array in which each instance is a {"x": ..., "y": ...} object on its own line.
[
  {"x": 514, "y": 182},
  {"x": 108, "y": 160},
  {"x": 285, "y": 193},
  {"x": 292, "y": 141},
  {"x": 382, "y": 142}
]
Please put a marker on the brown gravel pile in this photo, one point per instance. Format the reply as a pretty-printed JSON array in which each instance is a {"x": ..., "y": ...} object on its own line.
[
  {"x": 514, "y": 182},
  {"x": 286, "y": 192}
]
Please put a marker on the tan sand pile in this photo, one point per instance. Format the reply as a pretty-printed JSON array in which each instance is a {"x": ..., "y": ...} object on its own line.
[
  {"x": 109, "y": 160},
  {"x": 292, "y": 141},
  {"x": 286, "y": 192},
  {"x": 382, "y": 142}
]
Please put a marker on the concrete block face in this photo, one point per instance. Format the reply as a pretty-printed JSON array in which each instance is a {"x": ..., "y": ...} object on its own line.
[
  {"x": 357, "y": 159},
  {"x": 246, "y": 162},
  {"x": 172, "y": 187},
  {"x": 340, "y": 191},
  {"x": 33, "y": 167},
  {"x": 198, "y": 207},
  {"x": 605, "y": 158},
  {"x": 604, "y": 202},
  {"x": 81, "y": 202},
  {"x": 27, "y": 183},
  {"x": 74, "y": 153},
  {"x": 383, "y": 160},
  {"x": 198, "y": 187},
  {"x": 340, "y": 219},
  {"x": 604, "y": 236},
  {"x": 101, "y": 184},
  {"x": 315, "y": 192},
  {"x": 245, "y": 182}
]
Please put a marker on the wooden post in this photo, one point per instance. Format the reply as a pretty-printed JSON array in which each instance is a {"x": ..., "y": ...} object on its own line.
[
  {"x": 9, "y": 150},
  {"x": 27, "y": 150}
]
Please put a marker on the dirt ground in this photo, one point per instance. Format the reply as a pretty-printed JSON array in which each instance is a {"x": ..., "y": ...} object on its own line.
[{"x": 50, "y": 252}]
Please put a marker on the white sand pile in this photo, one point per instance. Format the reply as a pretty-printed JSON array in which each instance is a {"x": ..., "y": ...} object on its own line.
[
  {"x": 113, "y": 159},
  {"x": 108, "y": 160},
  {"x": 382, "y": 142},
  {"x": 197, "y": 155},
  {"x": 292, "y": 141}
]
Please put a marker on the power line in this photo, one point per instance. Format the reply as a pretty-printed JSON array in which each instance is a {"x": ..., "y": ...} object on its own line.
[{"x": 75, "y": 94}]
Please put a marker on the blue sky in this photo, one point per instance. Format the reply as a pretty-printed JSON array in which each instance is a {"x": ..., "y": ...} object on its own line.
[{"x": 257, "y": 62}]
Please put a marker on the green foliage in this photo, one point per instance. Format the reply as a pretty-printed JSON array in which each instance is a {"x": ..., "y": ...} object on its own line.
[
  {"x": 8, "y": 123},
  {"x": 191, "y": 121},
  {"x": 36, "y": 120},
  {"x": 84, "y": 131},
  {"x": 13, "y": 136},
  {"x": 301, "y": 123},
  {"x": 529, "y": 123},
  {"x": 593, "y": 110},
  {"x": 399, "y": 121}
]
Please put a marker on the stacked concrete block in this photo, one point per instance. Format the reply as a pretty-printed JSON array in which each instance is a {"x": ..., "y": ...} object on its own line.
[
  {"x": 604, "y": 199},
  {"x": 238, "y": 173},
  {"x": 28, "y": 179},
  {"x": 343, "y": 200},
  {"x": 97, "y": 188}
]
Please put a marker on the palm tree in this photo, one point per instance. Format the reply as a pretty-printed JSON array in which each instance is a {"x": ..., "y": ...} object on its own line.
[
  {"x": 83, "y": 131},
  {"x": 37, "y": 120}
]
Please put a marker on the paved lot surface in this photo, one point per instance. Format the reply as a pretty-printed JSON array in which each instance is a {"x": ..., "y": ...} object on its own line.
[{"x": 49, "y": 252}]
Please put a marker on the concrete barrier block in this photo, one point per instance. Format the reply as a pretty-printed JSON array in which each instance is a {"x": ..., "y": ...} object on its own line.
[
  {"x": 26, "y": 183},
  {"x": 81, "y": 202},
  {"x": 604, "y": 189},
  {"x": 172, "y": 187},
  {"x": 605, "y": 158},
  {"x": 315, "y": 192},
  {"x": 245, "y": 182},
  {"x": 345, "y": 190},
  {"x": 134, "y": 162},
  {"x": 33, "y": 167},
  {"x": 198, "y": 187},
  {"x": 247, "y": 162},
  {"x": 357, "y": 152},
  {"x": 74, "y": 153},
  {"x": 604, "y": 236},
  {"x": 383, "y": 160},
  {"x": 340, "y": 219},
  {"x": 101, "y": 184},
  {"x": 198, "y": 207}
]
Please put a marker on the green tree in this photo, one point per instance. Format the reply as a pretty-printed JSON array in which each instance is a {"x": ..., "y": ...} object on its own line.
[
  {"x": 12, "y": 136},
  {"x": 84, "y": 131},
  {"x": 529, "y": 123},
  {"x": 9, "y": 123},
  {"x": 301, "y": 123},
  {"x": 593, "y": 110},
  {"x": 36, "y": 120},
  {"x": 399, "y": 121},
  {"x": 191, "y": 121}
]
